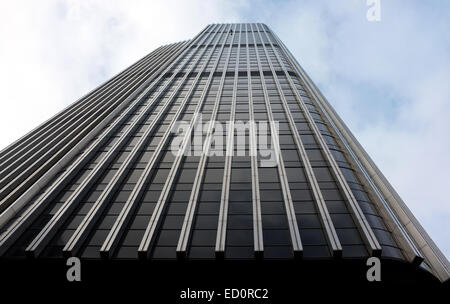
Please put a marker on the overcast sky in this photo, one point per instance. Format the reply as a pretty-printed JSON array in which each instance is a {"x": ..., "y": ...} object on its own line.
[{"x": 388, "y": 80}]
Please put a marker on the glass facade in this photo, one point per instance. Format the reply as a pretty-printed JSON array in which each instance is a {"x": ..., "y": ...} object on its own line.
[{"x": 101, "y": 179}]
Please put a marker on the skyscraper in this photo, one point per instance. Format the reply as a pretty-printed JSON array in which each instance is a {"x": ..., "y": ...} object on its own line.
[{"x": 215, "y": 148}]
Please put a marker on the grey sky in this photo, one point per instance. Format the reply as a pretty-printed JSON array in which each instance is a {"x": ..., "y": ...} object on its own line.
[{"x": 388, "y": 80}]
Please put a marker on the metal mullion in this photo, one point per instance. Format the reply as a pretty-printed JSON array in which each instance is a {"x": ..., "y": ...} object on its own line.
[
  {"x": 389, "y": 216},
  {"x": 160, "y": 205},
  {"x": 325, "y": 218},
  {"x": 256, "y": 200},
  {"x": 223, "y": 211},
  {"x": 117, "y": 229},
  {"x": 57, "y": 117},
  {"x": 357, "y": 214},
  {"x": 192, "y": 205},
  {"x": 9, "y": 236},
  {"x": 290, "y": 213},
  {"x": 83, "y": 136},
  {"x": 39, "y": 242},
  {"x": 40, "y": 140}
]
